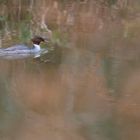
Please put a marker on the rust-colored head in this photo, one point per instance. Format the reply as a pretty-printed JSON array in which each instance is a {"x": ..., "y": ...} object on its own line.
[{"x": 37, "y": 40}]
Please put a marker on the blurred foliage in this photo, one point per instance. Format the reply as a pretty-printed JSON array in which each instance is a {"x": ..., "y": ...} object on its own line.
[
  {"x": 111, "y": 2},
  {"x": 107, "y": 67},
  {"x": 25, "y": 33},
  {"x": 59, "y": 38},
  {"x": 3, "y": 18},
  {"x": 103, "y": 129},
  {"x": 3, "y": 1},
  {"x": 132, "y": 29}
]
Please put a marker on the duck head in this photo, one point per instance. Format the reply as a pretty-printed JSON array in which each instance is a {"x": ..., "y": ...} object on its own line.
[{"x": 37, "y": 40}]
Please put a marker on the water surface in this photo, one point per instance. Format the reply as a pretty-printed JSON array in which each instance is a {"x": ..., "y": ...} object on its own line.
[{"x": 87, "y": 86}]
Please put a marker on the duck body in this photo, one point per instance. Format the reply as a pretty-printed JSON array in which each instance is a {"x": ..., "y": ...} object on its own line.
[
  {"x": 21, "y": 50},
  {"x": 16, "y": 47}
]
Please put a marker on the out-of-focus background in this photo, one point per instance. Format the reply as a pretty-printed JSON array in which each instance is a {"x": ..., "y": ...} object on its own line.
[{"x": 88, "y": 87}]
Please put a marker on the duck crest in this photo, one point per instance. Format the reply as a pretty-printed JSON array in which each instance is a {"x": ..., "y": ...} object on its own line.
[{"x": 37, "y": 40}]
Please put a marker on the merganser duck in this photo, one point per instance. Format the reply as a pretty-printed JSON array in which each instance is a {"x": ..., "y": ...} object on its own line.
[{"x": 18, "y": 51}]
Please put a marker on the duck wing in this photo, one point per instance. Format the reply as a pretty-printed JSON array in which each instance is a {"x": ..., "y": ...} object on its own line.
[{"x": 16, "y": 47}]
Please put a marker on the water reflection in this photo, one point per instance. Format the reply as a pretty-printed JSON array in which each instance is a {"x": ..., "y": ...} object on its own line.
[{"x": 88, "y": 86}]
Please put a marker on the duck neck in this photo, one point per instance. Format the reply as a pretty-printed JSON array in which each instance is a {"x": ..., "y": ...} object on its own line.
[{"x": 37, "y": 47}]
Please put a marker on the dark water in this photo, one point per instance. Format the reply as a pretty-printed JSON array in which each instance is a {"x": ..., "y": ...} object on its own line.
[{"x": 87, "y": 86}]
